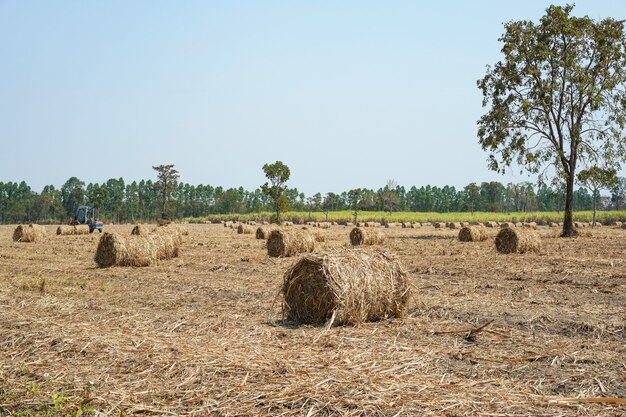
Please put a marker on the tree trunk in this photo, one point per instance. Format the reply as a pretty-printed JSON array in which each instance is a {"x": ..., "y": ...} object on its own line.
[
  {"x": 593, "y": 223},
  {"x": 568, "y": 224}
]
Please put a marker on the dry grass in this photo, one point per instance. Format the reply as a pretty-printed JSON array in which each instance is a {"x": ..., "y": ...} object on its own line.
[
  {"x": 345, "y": 287},
  {"x": 518, "y": 240},
  {"x": 243, "y": 229},
  {"x": 360, "y": 236},
  {"x": 198, "y": 336},
  {"x": 29, "y": 233},
  {"x": 473, "y": 234},
  {"x": 285, "y": 243},
  {"x": 80, "y": 229}
]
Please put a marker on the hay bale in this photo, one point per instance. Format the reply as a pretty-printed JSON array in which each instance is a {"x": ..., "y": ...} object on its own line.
[
  {"x": 262, "y": 232},
  {"x": 28, "y": 233},
  {"x": 417, "y": 225},
  {"x": 519, "y": 224},
  {"x": 140, "y": 229},
  {"x": 531, "y": 225},
  {"x": 406, "y": 225},
  {"x": 325, "y": 225},
  {"x": 518, "y": 240},
  {"x": 616, "y": 223},
  {"x": 506, "y": 224},
  {"x": 227, "y": 224},
  {"x": 426, "y": 224},
  {"x": 491, "y": 224},
  {"x": 284, "y": 243},
  {"x": 177, "y": 228},
  {"x": 79, "y": 229},
  {"x": 439, "y": 225},
  {"x": 251, "y": 222},
  {"x": 473, "y": 234},
  {"x": 119, "y": 250},
  {"x": 243, "y": 229},
  {"x": 287, "y": 223},
  {"x": 167, "y": 241},
  {"x": 553, "y": 224},
  {"x": 454, "y": 225},
  {"x": 347, "y": 287},
  {"x": 359, "y": 236},
  {"x": 578, "y": 225},
  {"x": 349, "y": 224}
]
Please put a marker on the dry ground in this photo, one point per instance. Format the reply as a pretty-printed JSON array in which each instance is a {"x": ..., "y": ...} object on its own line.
[{"x": 201, "y": 334}]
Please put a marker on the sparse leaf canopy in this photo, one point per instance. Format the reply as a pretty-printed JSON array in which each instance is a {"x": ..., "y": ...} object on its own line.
[
  {"x": 558, "y": 96},
  {"x": 596, "y": 178},
  {"x": 277, "y": 174}
]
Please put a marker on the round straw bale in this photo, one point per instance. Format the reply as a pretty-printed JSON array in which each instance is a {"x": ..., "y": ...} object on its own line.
[
  {"x": 359, "y": 236},
  {"x": 616, "y": 223},
  {"x": 79, "y": 229},
  {"x": 518, "y": 240},
  {"x": 262, "y": 232},
  {"x": 519, "y": 224},
  {"x": 244, "y": 229},
  {"x": 140, "y": 229},
  {"x": 553, "y": 224},
  {"x": 167, "y": 242},
  {"x": 454, "y": 225},
  {"x": 251, "y": 222},
  {"x": 347, "y": 287},
  {"x": 325, "y": 225},
  {"x": 427, "y": 224},
  {"x": 506, "y": 224},
  {"x": 28, "y": 233},
  {"x": 406, "y": 225},
  {"x": 287, "y": 223},
  {"x": 417, "y": 225},
  {"x": 532, "y": 225},
  {"x": 439, "y": 225},
  {"x": 284, "y": 243},
  {"x": 491, "y": 224},
  {"x": 119, "y": 250},
  {"x": 578, "y": 225},
  {"x": 473, "y": 234}
]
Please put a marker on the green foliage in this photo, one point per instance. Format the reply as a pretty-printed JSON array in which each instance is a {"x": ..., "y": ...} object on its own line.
[
  {"x": 277, "y": 174},
  {"x": 167, "y": 179},
  {"x": 557, "y": 98}
]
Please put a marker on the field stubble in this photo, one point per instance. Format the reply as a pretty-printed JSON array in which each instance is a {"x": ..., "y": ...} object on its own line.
[{"x": 202, "y": 334}]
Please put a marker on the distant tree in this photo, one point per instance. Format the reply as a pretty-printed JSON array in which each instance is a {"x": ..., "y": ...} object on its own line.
[
  {"x": 557, "y": 99},
  {"x": 167, "y": 179},
  {"x": 390, "y": 196},
  {"x": 277, "y": 174},
  {"x": 472, "y": 197},
  {"x": 596, "y": 179},
  {"x": 618, "y": 192},
  {"x": 72, "y": 195},
  {"x": 355, "y": 197}
]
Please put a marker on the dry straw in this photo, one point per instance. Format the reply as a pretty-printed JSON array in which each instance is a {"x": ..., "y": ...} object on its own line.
[
  {"x": 28, "y": 233},
  {"x": 139, "y": 249},
  {"x": 284, "y": 243},
  {"x": 491, "y": 224},
  {"x": 439, "y": 225},
  {"x": 140, "y": 230},
  {"x": 473, "y": 234},
  {"x": 262, "y": 232},
  {"x": 345, "y": 287},
  {"x": 359, "y": 236},
  {"x": 243, "y": 229},
  {"x": 518, "y": 240},
  {"x": 80, "y": 229},
  {"x": 454, "y": 225}
]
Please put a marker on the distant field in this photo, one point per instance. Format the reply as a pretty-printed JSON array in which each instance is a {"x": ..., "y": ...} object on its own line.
[{"x": 605, "y": 217}]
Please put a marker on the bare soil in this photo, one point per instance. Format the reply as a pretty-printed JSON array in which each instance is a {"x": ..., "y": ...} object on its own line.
[{"x": 203, "y": 334}]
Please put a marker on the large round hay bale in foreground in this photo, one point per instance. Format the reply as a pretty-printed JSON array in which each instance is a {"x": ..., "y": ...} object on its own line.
[
  {"x": 347, "y": 287},
  {"x": 28, "y": 233},
  {"x": 284, "y": 243},
  {"x": 79, "y": 229},
  {"x": 119, "y": 250},
  {"x": 359, "y": 236},
  {"x": 518, "y": 240},
  {"x": 473, "y": 234}
]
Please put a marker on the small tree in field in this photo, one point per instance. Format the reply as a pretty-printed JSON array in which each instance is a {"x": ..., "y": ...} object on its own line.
[
  {"x": 277, "y": 174},
  {"x": 557, "y": 100},
  {"x": 596, "y": 179},
  {"x": 167, "y": 179}
]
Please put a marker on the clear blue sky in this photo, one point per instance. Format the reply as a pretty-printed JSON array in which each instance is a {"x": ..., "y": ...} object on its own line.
[{"x": 347, "y": 94}]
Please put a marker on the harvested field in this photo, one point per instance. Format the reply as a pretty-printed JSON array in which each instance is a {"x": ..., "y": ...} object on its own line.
[{"x": 540, "y": 334}]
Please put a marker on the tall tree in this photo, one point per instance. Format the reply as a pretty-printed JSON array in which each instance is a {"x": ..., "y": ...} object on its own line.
[
  {"x": 72, "y": 195},
  {"x": 167, "y": 179},
  {"x": 277, "y": 174},
  {"x": 597, "y": 179},
  {"x": 557, "y": 99}
]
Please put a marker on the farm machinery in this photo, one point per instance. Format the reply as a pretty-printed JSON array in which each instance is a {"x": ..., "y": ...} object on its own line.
[{"x": 87, "y": 215}]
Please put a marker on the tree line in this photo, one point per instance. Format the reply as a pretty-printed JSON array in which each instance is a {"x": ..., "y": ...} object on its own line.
[{"x": 119, "y": 201}]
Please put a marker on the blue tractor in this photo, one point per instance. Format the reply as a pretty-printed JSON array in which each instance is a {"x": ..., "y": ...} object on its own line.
[{"x": 87, "y": 215}]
